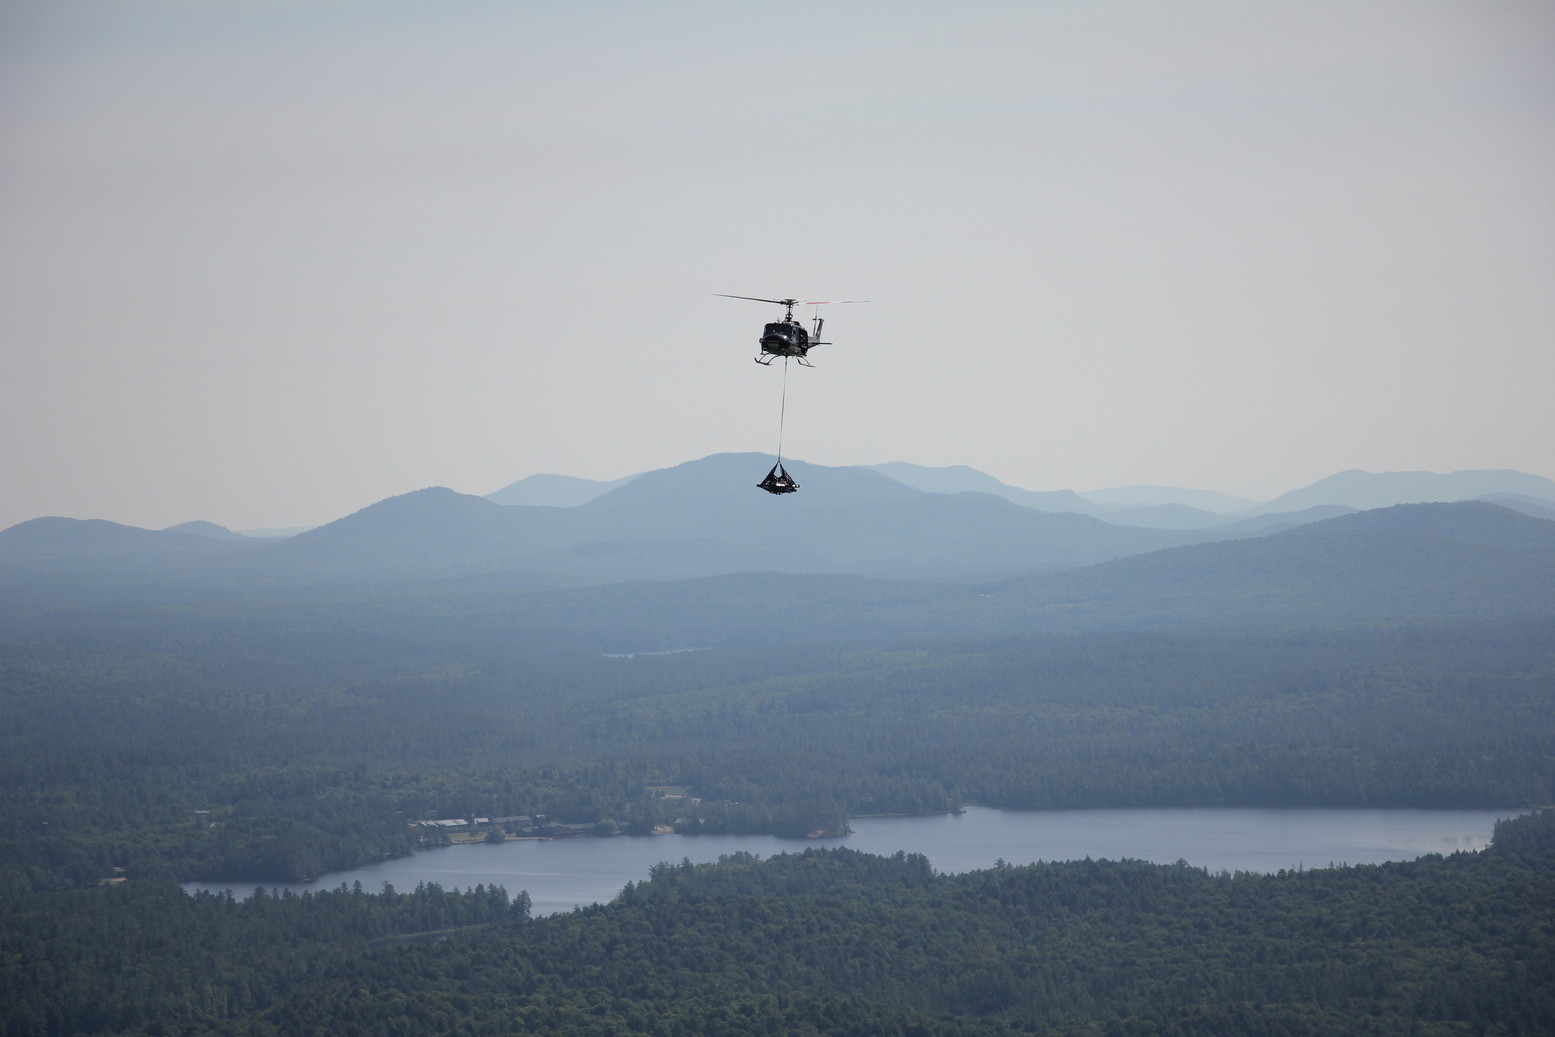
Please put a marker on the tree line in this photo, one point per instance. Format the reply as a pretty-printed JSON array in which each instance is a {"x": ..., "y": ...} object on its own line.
[
  {"x": 186, "y": 765},
  {"x": 820, "y": 942}
]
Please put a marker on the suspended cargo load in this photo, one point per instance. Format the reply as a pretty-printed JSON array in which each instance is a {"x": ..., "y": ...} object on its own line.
[{"x": 778, "y": 480}]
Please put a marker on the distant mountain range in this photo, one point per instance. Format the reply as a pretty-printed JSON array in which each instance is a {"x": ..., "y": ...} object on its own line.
[
  {"x": 209, "y": 530},
  {"x": 555, "y": 491},
  {"x": 695, "y": 556},
  {"x": 1366, "y": 490},
  {"x": 1162, "y": 507},
  {"x": 705, "y": 518},
  {"x": 1406, "y": 564}
]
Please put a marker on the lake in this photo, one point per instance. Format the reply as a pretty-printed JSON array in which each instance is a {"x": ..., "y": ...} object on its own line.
[{"x": 565, "y": 873}]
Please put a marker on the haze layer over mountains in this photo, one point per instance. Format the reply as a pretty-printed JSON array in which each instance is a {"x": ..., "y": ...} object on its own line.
[{"x": 886, "y": 548}]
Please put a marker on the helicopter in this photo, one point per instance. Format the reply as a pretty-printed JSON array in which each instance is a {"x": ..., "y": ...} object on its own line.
[{"x": 788, "y": 337}]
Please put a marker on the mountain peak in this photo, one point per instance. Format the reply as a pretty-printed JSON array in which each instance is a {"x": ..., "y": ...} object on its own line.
[
  {"x": 84, "y": 540},
  {"x": 210, "y": 530},
  {"x": 434, "y": 504},
  {"x": 1471, "y": 521},
  {"x": 728, "y": 481},
  {"x": 555, "y": 491},
  {"x": 1365, "y": 490}
]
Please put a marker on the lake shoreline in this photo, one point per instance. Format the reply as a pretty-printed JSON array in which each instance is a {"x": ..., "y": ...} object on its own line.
[{"x": 559, "y": 874}]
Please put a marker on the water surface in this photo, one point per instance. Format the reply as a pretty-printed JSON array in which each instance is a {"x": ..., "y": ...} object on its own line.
[{"x": 565, "y": 873}]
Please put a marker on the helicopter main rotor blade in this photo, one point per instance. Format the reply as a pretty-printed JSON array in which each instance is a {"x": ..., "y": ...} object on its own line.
[
  {"x": 831, "y": 302},
  {"x": 752, "y": 298}
]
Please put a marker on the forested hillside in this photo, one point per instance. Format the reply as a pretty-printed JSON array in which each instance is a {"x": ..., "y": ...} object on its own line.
[
  {"x": 247, "y": 729},
  {"x": 281, "y": 752},
  {"x": 821, "y": 942}
]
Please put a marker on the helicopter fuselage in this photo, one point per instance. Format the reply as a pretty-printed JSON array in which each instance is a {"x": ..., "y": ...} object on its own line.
[{"x": 785, "y": 338}]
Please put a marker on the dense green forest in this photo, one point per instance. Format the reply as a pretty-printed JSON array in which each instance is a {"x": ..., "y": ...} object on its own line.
[
  {"x": 248, "y": 733},
  {"x": 236, "y": 758},
  {"x": 820, "y": 942}
]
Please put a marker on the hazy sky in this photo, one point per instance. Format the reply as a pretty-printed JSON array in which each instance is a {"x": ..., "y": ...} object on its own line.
[{"x": 264, "y": 263}]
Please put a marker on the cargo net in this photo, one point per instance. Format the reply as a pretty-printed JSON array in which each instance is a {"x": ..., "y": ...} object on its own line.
[{"x": 778, "y": 480}]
